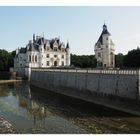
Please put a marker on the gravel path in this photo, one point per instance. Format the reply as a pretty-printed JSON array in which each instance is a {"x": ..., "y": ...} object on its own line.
[{"x": 6, "y": 127}]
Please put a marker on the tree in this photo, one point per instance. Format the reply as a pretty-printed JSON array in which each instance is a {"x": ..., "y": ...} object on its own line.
[
  {"x": 132, "y": 59},
  {"x": 119, "y": 60},
  {"x": 6, "y": 60},
  {"x": 83, "y": 61}
]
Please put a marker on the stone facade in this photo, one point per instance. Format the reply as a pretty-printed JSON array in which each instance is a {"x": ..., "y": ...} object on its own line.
[
  {"x": 42, "y": 53},
  {"x": 104, "y": 50}
]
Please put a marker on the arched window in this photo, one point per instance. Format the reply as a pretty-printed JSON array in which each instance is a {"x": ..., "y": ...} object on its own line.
[
  {"x": 55, "y": 63},
  {"x": 36, "y": 58},
  {"x": 33, "y": 58},
  {"x": 62, "y": 63},
  {"x": 99, "y": 54}
]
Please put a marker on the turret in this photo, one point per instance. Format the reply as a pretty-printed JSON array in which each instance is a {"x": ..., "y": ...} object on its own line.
[
  {"x": 41, "y": 52},
  {"x": 67, "y": 54},
  {"x": 33, "y": 38}
]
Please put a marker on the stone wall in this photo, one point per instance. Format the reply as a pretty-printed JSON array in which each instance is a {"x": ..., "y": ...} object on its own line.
[{"x": 105, "y": 87}]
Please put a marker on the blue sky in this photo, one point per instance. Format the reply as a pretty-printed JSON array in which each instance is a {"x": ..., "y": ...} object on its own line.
[{"x": 80, "y": 25}]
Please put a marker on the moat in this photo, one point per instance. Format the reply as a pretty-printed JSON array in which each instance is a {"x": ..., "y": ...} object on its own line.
[{"x": 33, "y": 110}]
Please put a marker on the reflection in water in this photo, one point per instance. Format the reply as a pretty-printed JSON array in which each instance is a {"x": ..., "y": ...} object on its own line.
[
  {"x": 30, "y": 115},
  {"x": 33, "y": 110}
]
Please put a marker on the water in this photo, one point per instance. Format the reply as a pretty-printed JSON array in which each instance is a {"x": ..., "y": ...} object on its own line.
[{"x": 33, "y": 110}]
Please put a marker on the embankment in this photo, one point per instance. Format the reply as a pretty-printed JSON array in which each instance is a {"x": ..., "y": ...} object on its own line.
[{"x": 118, "y": 89}]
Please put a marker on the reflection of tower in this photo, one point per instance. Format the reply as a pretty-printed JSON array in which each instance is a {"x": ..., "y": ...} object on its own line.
[
  {"x": 104, "y": 50},
  {"x": 34, "y": 120},
  {"x": 29, "y": 92},
  {"x": 17, "y": 97}
]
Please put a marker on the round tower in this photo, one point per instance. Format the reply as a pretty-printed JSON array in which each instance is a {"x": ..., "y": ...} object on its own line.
[{"x": 104, "y": 50}]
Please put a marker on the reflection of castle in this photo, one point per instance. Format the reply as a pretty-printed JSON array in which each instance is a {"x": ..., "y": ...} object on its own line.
[
  {"x": 104, "y": 50},
  {"x": 25, "y": 99}
]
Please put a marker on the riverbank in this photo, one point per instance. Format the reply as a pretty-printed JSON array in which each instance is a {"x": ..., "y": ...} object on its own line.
[
  {"x": 10, "y": 81},
  {"x": 6, "y": 127}
]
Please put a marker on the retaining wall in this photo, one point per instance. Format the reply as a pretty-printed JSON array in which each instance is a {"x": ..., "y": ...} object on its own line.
[{"x": 118, "y": 89}]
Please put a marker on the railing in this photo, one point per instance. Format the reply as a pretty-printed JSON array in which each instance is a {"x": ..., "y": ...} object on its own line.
[{"x": 96, "y": 71}]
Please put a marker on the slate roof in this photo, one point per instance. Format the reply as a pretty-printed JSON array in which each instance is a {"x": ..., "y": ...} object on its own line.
[
  {"x": 105, "y": 31},
  {"x": 22, "y": 50},
  {"x": 34, "y": 46},
  {"x": 67, "y": 46}
]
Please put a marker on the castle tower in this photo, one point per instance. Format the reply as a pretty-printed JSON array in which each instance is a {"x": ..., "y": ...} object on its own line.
[
  {"x": 33, "y": 38},
  {"x": 41, "y": 52},
  {"x": 67, "y": 54},
  {"x": 104, "y": 50}
]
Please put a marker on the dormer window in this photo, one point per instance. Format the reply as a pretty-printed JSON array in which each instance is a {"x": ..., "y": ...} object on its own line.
[
  {"x": 99, "y": 54},
  {"x": 48, "y": 56},
  {"x": 62, "y": 56},
  {"x": 55, "y": 49},
  {"x": 63, "y": 49},
  {"x": 48, "y": 49}
]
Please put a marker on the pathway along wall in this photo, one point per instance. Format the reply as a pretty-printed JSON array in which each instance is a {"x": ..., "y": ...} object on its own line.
[{"x": 98, "y": 86}]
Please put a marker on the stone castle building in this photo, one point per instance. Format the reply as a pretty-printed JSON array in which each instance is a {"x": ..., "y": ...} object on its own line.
[
  {"x": 104, "y": 50},
  {"x": 43, "y": 53}
]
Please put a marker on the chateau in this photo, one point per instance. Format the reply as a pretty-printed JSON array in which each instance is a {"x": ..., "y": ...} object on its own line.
[
  {"x": 42, "y": 53},
  {"x": 104, "y": 50}
]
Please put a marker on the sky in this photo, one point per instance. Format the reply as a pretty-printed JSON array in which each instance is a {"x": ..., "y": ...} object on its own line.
[{"x": 81, "y": 26}]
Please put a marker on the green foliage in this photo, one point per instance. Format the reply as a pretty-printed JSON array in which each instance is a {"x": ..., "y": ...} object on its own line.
[
  {"x": 132, "y": 59},
  {"x": 83, "y": 61},
  {"x": 119, "y": 60},
  {"x": 6, "y": 60}
]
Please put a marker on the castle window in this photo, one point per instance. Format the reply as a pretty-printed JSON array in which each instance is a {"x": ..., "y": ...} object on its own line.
[
  {"x": 36, "y": 58},
  {"x": 33, "y": 58},
  {"x": 55, "y": 55},
  {"x": 99, "y": 54},
  {"x": 106, "y": 38},
  {"x": 62, "y": 56},
  {"x": 29, "y": 58},
  {"x": 63, "y": 49},
  {"x": 106, "y": 46},
  {"x": 62, "y": 63},
  {"x": 48, "y": 56},
  {"x": 55, "y": 49},
  {"x": 48, "y": 63},
  {"x": 47, "y": 48}
]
